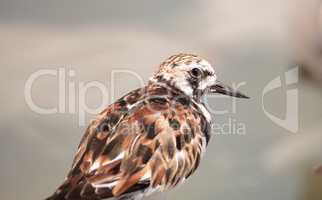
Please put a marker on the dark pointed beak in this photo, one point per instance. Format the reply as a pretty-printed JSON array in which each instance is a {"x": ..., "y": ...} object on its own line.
[{"x": 221, "y": 88}]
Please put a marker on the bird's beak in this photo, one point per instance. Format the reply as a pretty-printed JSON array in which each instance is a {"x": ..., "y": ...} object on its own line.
[{"x": 221, "y": 88}]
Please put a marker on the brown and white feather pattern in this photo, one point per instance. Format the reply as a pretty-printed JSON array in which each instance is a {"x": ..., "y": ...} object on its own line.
[{"x": 150, "y": 139}]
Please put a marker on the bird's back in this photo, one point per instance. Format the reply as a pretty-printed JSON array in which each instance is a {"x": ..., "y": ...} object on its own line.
[{"x": 149, "y": 140}]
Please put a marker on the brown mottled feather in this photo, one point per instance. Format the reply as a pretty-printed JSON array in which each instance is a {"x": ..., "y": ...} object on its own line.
[{"x": 149, "y": 139}]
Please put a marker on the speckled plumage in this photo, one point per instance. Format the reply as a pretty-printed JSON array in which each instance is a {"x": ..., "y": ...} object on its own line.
[{"x": 149, "y": 140}]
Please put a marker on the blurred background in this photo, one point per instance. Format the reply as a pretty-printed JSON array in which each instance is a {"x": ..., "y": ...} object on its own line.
[{"x": 251, "y": 41}]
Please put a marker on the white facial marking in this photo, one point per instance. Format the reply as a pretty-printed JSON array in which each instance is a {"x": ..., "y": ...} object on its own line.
[
  {"x": 211, "y": 80},
  {"x": 206, "y": 66},
  {"x": 203, "y": 65},
  {"x": 182, "y": 83},
  {"x": 179, "y": 75}
]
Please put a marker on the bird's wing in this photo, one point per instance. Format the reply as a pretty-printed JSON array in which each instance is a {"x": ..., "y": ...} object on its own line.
[
  {"x": 154, "y": 146},
  {"x": 101, "y": 129},
  {"x": 98, "y": 139}
]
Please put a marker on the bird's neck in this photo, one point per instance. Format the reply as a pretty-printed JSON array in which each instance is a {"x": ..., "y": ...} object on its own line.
[{"x": 179, "y": 86}]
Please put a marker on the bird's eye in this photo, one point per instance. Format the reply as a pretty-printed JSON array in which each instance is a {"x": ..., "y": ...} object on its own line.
[{"x": 196, "y": 72}]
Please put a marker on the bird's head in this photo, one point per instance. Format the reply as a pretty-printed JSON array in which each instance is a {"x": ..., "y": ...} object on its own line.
[{"x": 193, "y": 76}]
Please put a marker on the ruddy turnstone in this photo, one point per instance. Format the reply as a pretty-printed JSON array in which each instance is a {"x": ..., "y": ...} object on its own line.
[{"x": 151, "y": 139}]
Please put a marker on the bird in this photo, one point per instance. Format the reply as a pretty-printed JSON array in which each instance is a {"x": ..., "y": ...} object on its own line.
[{"x": 151, "y": 139}]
